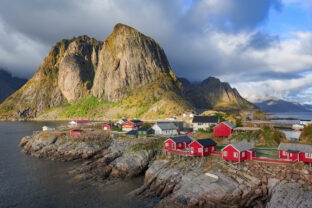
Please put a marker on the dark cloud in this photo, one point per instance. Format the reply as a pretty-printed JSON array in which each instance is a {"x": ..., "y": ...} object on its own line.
[{"x": 205, "y": 38}]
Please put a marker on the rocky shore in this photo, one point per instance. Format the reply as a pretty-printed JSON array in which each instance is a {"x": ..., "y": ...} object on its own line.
[{"x": 178, "y": 181}]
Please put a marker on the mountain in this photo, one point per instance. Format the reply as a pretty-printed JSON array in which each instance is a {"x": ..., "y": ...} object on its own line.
[
  {"x": 9, "y": 84},
  {"x": 127, "y": 75},
  {"x": 273, "y": 104},
  {"x": 214, "y": 94},
  {"x": 308, "y": 106}
]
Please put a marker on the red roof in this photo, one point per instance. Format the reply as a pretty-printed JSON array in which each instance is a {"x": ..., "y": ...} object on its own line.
[{"x": 82, "y": 121}]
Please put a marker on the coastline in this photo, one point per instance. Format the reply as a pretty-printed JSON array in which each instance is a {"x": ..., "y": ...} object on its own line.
[{"x": 175, "y": 180}]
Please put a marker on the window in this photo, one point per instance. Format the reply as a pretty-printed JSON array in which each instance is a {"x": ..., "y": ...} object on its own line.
[
  {"x": 206, "y": 149},
  {"x": 308, "y": 155},
  {"x": 172, "y": 145},
  {"x": 180, "y": 145},
  {"x": 192, "y": 149},
  {"x": 200, "y": 149},
  {"x": 284, "y": 153},
  {"x": 225, "y": 153},
  {"x": 212, "y": 148},
  {"x": 290, "y": 154},
  {"x": 235, "y": 154},
  {"x": 167, "y": 145},
  {"x": 243, "y": 154}
]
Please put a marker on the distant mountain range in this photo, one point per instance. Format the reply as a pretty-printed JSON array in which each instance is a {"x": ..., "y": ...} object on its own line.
[
  {"x": 273, "y": 104},
  {"x": 9, "y": 84}
]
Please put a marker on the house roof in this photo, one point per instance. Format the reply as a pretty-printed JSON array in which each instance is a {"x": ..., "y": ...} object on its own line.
[
  {"x": 77, "y": 130},
  {"x": 143, "y": 128},
  {"x": 295, "y": 147},
  {"x": 132, "y": 132},
  {"x": 205, "y": 119},
  {"x": 228, "y": 124},
  {"x": 243, "y": 146},
  {"x": 181, "y": 139},
  {"x": 136, "y": 121},
  {"x": 167, "y": 125},
  {"x": 206, "y": 142}
]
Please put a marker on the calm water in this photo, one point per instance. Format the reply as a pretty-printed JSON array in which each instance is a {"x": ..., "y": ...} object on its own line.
[
  {"x": 36, "y": 183},
  {"x": 298, "y": 115}
]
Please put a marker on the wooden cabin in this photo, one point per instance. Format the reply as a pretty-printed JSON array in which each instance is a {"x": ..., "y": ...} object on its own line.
[
  {"x": 132, "y": 125},
  {"x": 223, "y": 129},
  {"x": 202, "y": 147},
  {"x": 107, "y": 127},
  {"x": 175, "y": 143},
  {"x": 295, "y": 152},
  {"x": 238, "y": 152}
]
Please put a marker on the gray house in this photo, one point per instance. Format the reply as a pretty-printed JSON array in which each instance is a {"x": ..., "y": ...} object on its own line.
[{"x": 165, "y": 128}]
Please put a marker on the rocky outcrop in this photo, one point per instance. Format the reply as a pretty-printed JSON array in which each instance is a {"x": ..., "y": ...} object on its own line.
[
  {"x": 289, "y": 195},
  {"x": 212, "y": 93},
  {"x": 62, "y": 147},
  {"x": 180, "y": 186}
]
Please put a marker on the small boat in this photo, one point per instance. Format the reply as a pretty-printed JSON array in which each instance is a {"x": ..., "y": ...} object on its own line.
[{"x": 48, "y": 128}]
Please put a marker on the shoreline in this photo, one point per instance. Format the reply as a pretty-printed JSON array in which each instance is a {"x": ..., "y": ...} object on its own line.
[{"x": 175, "y": 180}]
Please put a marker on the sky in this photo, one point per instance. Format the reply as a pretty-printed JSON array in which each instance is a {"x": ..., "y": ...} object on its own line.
[{"x": 261, "y": 47}]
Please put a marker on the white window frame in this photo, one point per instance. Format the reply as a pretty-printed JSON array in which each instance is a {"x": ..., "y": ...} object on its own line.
[
  {"x": 200, "y": 150},
  {"x": 290, "y": 155},
  {"x": 235, "y": 154},
  {"x": 167, "y": 145},
  {"x": 213, "y": 148},
  {"x": 206, "y": 149},
  {"x": 284, "y": 153},
  {"x": 179, "y": 144},
  {"x": 225, "y": 153},
  {"x": 172, "y": 145},
  {"x": 243, "y": 154},
  {"x": 192, "y": 149},
  {"x": 308, "y": 155}
]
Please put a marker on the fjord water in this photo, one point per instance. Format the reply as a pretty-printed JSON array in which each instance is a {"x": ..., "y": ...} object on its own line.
[{"x": 30, "y": 182}]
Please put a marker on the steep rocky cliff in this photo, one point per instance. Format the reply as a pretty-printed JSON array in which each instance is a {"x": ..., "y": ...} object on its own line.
[
  {"x": 212, "y": 93},
  {"x": 126, "y": 75}
]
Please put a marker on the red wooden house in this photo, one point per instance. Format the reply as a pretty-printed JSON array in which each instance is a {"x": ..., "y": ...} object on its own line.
[
  {"x": 132, "y": 125},
  {"x": 76, "y": 132},
  {"x": 176, "y": 143},
  {"x": 238, "y": 152},
  {"x": 107, "y": 127},
  {"x": 295, "y": 152},
  {"x": 202, "y": 147},
  {"x": 223, "y": 129}
]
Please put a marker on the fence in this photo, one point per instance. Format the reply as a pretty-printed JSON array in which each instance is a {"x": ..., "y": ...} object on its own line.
[{"x": 272, "y": 160}]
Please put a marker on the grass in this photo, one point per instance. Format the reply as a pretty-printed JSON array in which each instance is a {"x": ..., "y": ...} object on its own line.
[
  {"x": 155, "y": 144},
  {"x": 306, "y": 135}
]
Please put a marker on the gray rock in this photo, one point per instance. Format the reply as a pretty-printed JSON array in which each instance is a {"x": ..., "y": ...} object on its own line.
[{"x": 290, "y": 195}]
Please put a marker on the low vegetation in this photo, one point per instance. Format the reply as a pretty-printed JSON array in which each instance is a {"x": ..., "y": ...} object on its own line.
[
  {"x": 306, "y": 135},
  {"x": 266, "y": 137},
  {"x": 155, "y": 144}
]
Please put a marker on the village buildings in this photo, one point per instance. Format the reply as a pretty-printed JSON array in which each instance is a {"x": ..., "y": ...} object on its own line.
[
  {"x": 204, "y": 122},
  {"x": 223, "y": 129},
  {"x": 238, "y": 152},
  {"x": 295, "y": 152},
  {"x": 132, "y": 125},
  {"x": 165, "y": 128}
]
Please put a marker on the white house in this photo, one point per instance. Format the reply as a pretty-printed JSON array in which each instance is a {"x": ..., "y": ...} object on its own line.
[
  {"x": 165, "y": 128},
  {"x": 204, "y": 122},
  {"x": 305, "y": 122}
]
